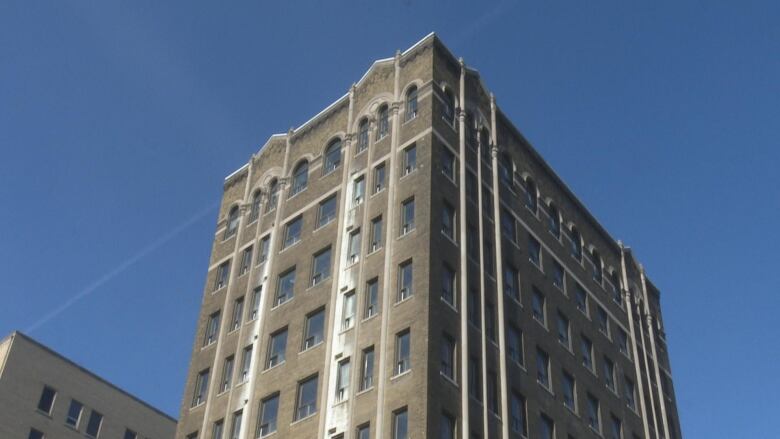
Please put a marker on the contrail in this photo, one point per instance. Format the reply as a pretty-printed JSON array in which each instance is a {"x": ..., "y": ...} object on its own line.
[{"x": 102, "y": 280}]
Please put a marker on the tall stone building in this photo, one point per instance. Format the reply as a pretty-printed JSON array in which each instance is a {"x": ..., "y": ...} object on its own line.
[
  {"x": 46, "y": 396},
  {"x": 406, "y": 265}
]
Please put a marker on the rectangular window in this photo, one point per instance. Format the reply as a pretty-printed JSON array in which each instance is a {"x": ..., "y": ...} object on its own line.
[
  {"x": 201, "y": 387},
  {"x": 46, "y": 402},
  {"x": 472, "y": 308},
  {"x": 616, "y": 429},
  {"x": 609, "y": 374},
  {"x": 586, "y": 349},
  {"x": 327, "y": 211},
  {"x": 246, "y": 261},
  {"x": 342, "y": 380},
  {"x": 285, "y": 286},
  {"x": 472, "y": 243},
  {"x": 306, "y": 404},
  {"x": 376, "y": 233},
  {"x": 557, "y": 275},
  {"x": 581, "y": 298},
  {"x": 488, "y": 260},
  {"x": 538, "y": 306},
  {"x": 448, "y": 356},
  {"x": 277, "y": 348},
  {"x": 622, "y": 342},
  {"x": 448, "y": 221},
  {"x": 223, "y": 273},
  {"x": 320, "y": 266},
  {"x": 563, "y": 330},
  {"x": 227, "y": 374},
  {"x": 315, "y": 329},
  {"x": 492, "y": 392},
  {"x": 269, "y": 409},
  {"x": 212, "y": 329},
  {"x": 511, "y": 278},
  {"x": 475, "y": 379},
  {"x": 471, "y": 186},
  {"x": 238, "y": 313},
  {"x": 517, "y": 414},
  {"x": 534, "y": 251},
  {"x": 358, "y": 190},
  {"x": 490, "y": 322},
  {"x": 353, "y": 253},
  {"x": 364, "y": 432},
  {"x": 402, "y": 352},
  {"x": 405, "y": 278},
  {"x": 130, "y": 434},
  {"x": 400, "y": 424},
  {"x": 367, "y": 369},
  {"x": 262, "y": 254},
  {"x": 379, "y": 178},
  {"x": 292, "y": 232},
  {"x": 235, "y": 426},
  {"x": 407, "y": 216},
  {"x": 255, "y": 310},
  {"x": 543, "y": 368},
  {"x": 410, "y": 159},
  {"x": 630, "y": 393},
  {"x": 372, "y": 298},
  {"x": 74, "y": 413},
  {"x": 508, "y": 226},
  {"x": 546, "y": 427},
  {"x": 246, "y": 363},
  {"x": 448, "y": 163},
  {"x": 216, "y": 430},
  {"x": 447, "y": 427},
  {"x": 348, "y": 312},
  {"x": 35, "y": 434},
  {"x": 569, "y": 392},
  {"x": 448, "y": 285},
  {"x": 593, "y": 416},
  {"x": 602, "y": 319},
  {"x": 514, "y": 344},
  {"x": 487, "y": 202},
  {"x": 94, "y": 424}
]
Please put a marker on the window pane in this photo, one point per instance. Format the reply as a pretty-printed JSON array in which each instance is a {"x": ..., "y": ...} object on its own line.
[
  {"x": 321, "y": 270},
  {"x": 400, "y": 425},
  {"x": 74, "y": 413},
  {"x": 307, "y": 398},
  {"x": 268, "y": 412},
  {"x": 314, "y": 329},
  {"x": 285, "y": 287},
  {"x": 327, "y": 211},
  {"x": 93, "y": 426},
  {"x": 46, "y": 401}
]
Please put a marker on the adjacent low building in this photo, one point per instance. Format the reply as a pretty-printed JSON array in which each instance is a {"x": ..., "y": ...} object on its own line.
[{"x": 44, "y": 395}]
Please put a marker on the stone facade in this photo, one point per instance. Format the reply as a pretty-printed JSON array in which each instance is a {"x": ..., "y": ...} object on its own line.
[{"x": 526, "y": 235}]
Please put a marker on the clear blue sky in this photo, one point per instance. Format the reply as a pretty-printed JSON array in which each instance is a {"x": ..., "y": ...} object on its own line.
[{"x": 118, "y": 123}]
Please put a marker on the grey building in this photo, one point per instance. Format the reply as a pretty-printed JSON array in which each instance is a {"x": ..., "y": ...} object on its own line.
[
  {"x": 405, "y": 265},
  {"x": 46, "y": 396}
]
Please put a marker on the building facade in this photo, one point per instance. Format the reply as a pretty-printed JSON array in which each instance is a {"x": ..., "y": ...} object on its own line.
[
  {"x": 46, "y": 396},
  {"x": 406, "y": 265}
]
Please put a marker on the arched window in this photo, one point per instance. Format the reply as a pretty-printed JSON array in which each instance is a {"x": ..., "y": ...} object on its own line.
[
  {"x": 232, "y": 222},
  {"x": 576, "y": 243},
  {"x": 362, "y": 135},
  {"x": 554, "y": 222},
  {"x": 333, "y": 156},
  {"x": 382, "y": 121},
  {"x": 597, "y": 269},
  {"x": 448, "y": 113},
  {"x": 411, "y": 103},
  {"x": 505, "y": 169},
  {"x": 300, "y": 177},
  {"x": 531, "y": 195},
  {"x": 273, "y": 195},
  {"x": 255, "y": 211}
]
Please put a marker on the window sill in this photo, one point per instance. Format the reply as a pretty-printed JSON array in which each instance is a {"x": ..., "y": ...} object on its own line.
[
  {"x": 305, "y": 418},
  {"x": 449, "y": 238},
  {"x": 538, "y": 265},
  {"x": 291, "y": 196},
  {"x": 404, "y": 235},
  {"x": 449, "y": 305},
  {"x": 311, "y": 348},
  {"x": 404, "y": 300},
  {"x": 268, "y": 369},
  {"x": 372, "y": 316},
  {"x": 409, "y": 119},
  {"x": 320, "y": 282},
  {"x": 323, "y": 225},
  {"x": 359, "y": 152},
  {"x": 206, "y": 347},
  {"x": 291, "y": 245},
  {"x": 48, "y": 415},
  {"x": 224, "y": 240},
  {"x": 449, "y": 380},
  {"x": 401, "y": 375},
  {"x": 223, "y": 287},
  {"x": 377, "y": 192},
  {"x": 546, "y": 388},
  {"x": 345, "y": 330},
  {"x": 364, "y": 391},
  {"x": 194, "y": 407},
  {"x": 331, "y": 171},
  {"x": 406, "y": 174},
  {"x": 281, "y": 303}
]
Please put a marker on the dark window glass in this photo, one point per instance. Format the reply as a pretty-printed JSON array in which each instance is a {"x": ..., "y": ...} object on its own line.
[
  {"x": 327, "y": 211},
  {"x": 307, "y": 398},
  {"x": 269, "y": 409},
  {"x": 46, "y": 401},
  {"x": 315, "y": 329},
  {"x": 332, "y": 156},
  {"x": 94, "y": 423}
]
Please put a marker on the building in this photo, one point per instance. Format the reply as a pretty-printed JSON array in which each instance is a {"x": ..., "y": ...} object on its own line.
[
  {"x": 351, "y": 295},
  {"x": 46, "y": 396}
]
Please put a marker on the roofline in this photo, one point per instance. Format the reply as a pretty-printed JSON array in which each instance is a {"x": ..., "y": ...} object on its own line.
[{"x": 38, "y": 344}]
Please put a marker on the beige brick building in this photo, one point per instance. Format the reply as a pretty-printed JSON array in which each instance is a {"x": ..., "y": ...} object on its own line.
[
  {"x": 46, "y": 396},
  {"x": 406, "y": 265}
]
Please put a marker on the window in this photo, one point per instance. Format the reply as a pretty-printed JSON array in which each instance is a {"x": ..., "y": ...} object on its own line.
[
  {"x": 246, "y": 261},
  {"x": 238, "y": 313},
  {"x": 546, "y": 427},
  {"x": 597, "y": 271},
  {"x": 292, "y": 232},
  {"x": 629, "y": 393},
  {"x": 472, "y": 308},
  {"x": 400, "y": 424},
  {"x": 569, "y": 389},
  {"x": 448, "y": 110},
  {"x": 603, "y": 320},
  {"x": 246, "y": 363},
  {"x": 262, "y": 254},
  {"x": 94, "y": 423},
  {"x": 35, "y": 434},
  {"x": 402, "y": 352},
  {"x": 216, "y": 430},
  {"x": 616, "y": 294},
  {"x": 376, "y": 233},
  {"x": 227, "y": 374},
  {"x": 517, "y": 414},
  {"x": 593, "y": 417},
  {"x": 447, "y": 427},
  {"x": 405, "y": 276},
  {"x": 232, "y": 223},
  {"x": 407, "y": 216},
  {"x": 362, "y": 144},
  {"x": 609, "y": 374},
  {"x": 492, "y": 392},
  {"x": 212, "y": 329},
  {"x": 531, "y": 196},
  {"x": 558, "y": 276},
  {"x": 616, "y": 428},
  {"x": 306, "y": 404},
  {"x": 508, "y": 226},
  {"x": 277, "y": 348},
  {"x": 472, "y": 243},
  {"x": 537, "y": 306},
  {"x": 321, "y": 266},
  {"x": 543, "y": 368},
  {"x": 315, "y": 324},
  {"x": 300, "y": 178},
  {"x": 46, "y": 402},
  {"x": 563, "y": 330},
  {"x": 505, "y": 169},
  {"x": 254, "y": 311},
  {"x": 475, "y": 379},
  {"x": 235, "y": 426},
  {"x": 342, "y": 380},
  {"x": 576, "y": 244},
  {"x": 193, "y": 435},
  {"x": 372, "y": 298},
  {"x": 348, "y": 315},
  {"x": 447, "y": 352},
  {"x": 201, "y": 387},
  {"x": 487, "y": 202},
  {"x": 511, "y": 282},
  {"x": 448, "y": 163},
  {"x": 353, "y": 254},
  {"x": 514, "y": 344},
  {"x": 273, "y": 196},
  {"x": 490, "y": 322},
  {"x": 410, "y": 159},
  {"x": 448, "y": 285},
  {"x": 581, "y": 299},
  {"x": 586, "y": 348},
  {"x": 358, "y": 190},
  {"x": 622, "y": 342},
  {"x": 471, "y": 186},
  {"x": 379, "y": 178},
  {"x": 383, "y": 123},
  {"x": 448, "y": 220},
  {"x": 285, "y": 286},
  {"x": 332, "y": 156},
  {"x": 269, "y": 408},
  {"x": 74, "y": 413},
  {"x": 534, "y": 251},
  {"x": 411, "y": 103},
  {"x": 130, "y": 434},
  {"x": 327, "y": 212},
  {"x": 254, "y": 212},
  {"x": 367, "y": 369},
  {"x": 364, "y": 432},
  {"x": 488, "y": 257},
  {"x": 223, "y": 272},
  {"x": 554, "y": 220}
]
